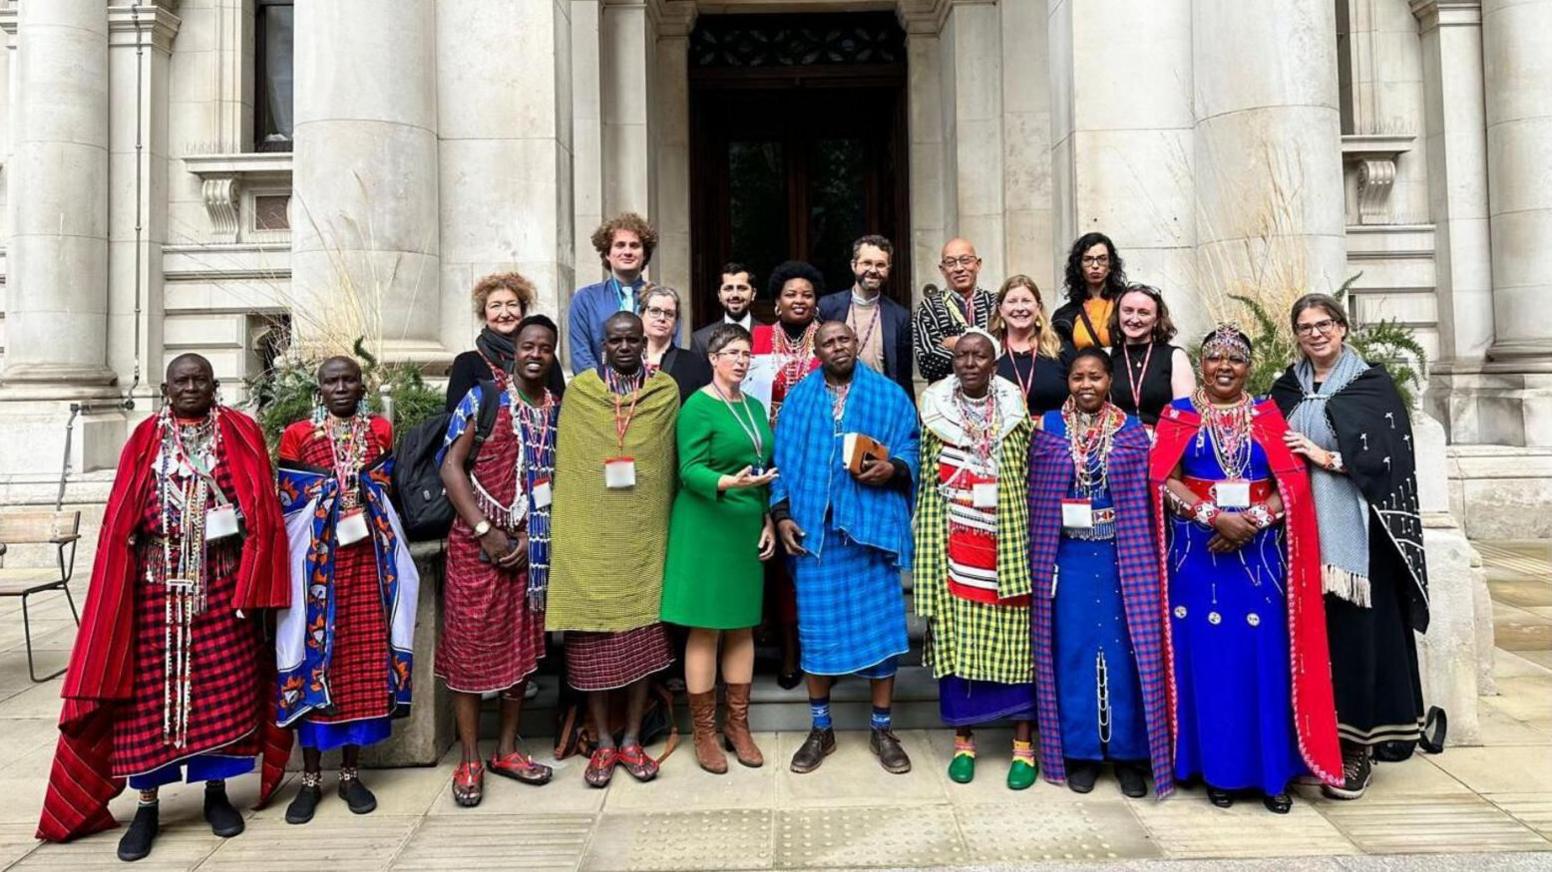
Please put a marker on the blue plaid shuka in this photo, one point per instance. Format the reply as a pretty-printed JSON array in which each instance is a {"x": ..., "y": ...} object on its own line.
[{"x": 851, "y": 608}]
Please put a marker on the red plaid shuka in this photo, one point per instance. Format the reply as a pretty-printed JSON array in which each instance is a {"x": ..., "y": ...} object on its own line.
[
  {"x": 101, "y": 684},
  {"x": 1142, "y": 590},
  {"x": 357, "y": 686},
  {"x": 605, "y": 661},
  {"x": 1314, "y": 706}
]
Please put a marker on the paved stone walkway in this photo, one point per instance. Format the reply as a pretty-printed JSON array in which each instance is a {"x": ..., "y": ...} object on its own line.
[{"x": 1493, "y": 801}]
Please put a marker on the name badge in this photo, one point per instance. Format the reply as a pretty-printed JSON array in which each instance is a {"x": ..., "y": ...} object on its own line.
[
  {"x": 1233, "y": 493},
  {"x": 1078, "y": 514},
  {"x": 984, "y": 495},
  {"x": 351, "y": 527},
  {"x": 220, "y": 522},
  {"x": 541, "y": 493},
  {"x": 620, "y": 473}
]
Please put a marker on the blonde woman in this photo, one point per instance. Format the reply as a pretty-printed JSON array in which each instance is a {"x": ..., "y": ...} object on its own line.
[{"x": 1031, "y": 351}]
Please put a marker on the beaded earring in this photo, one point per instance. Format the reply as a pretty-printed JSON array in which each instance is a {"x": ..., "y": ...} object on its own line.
[
  {"x": 320, "y": 414},
  {"x": 362, "y": 408}
]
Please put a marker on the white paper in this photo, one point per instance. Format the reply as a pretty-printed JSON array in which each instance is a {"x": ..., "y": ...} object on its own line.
[
  {"x": 1233, "y": 493},
  {"x": 761, "y": 375},
  {"x": 619, "y": 474},
  {"x": 1077, "y": 514},
  {"x": 541, "y": 494},
  {"x": 983, "y": 495},
  {"x": 220, "y": 522},
  {"x": 351, "y": 527}
]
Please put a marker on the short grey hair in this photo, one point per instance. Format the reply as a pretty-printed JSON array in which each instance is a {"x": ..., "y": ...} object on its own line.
[{"x": 650, "y": 291}]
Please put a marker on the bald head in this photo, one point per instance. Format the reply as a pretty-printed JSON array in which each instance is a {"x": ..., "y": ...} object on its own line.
[{"x": 960, "y": 265}]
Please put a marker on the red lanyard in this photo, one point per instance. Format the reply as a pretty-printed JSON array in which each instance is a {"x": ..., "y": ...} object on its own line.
[
  {"x": 622, "y": 422},
  {"x": 1135, "y": 377},
  {"x": 1024, "y": 386}
]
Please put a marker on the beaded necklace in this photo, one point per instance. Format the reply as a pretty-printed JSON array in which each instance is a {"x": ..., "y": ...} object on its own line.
[
  {"x": 535, "y": 435},
  {"x": 838, "y": 402},
  {"x": 793, "y": 355},
  {"x": 982, "y": 421},
  {"x": 1090, "y": 436},
  {"x": 1228, "y": 428},
  {"x": 348, "y": 443}
]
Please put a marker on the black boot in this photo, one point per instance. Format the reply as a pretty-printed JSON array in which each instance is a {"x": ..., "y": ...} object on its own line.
[
  {"x": 224, "y": 819},
  {"x": 137, "y": 840},
  {"x": 1133, "y": 782},
  {"x": 1081, "y": 775},
  {"x": 302, "y": 808},
  {"x": 356, "y": 796}
]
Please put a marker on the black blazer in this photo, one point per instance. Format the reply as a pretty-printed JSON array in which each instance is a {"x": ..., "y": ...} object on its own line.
[
  {"x": 690, "y": 369},
  {"x": 700, "y": 338},
  {"x": 897, "y": 335}
]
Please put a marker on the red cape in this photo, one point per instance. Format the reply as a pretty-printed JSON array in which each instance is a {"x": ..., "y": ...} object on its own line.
[
  {"x": 1314, "y": 708},
  {"x": 101, "y": 674}
]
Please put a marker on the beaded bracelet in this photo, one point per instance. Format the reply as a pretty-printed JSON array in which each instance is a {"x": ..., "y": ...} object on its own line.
[
  {"x": 1262, "y": 516},
  {"x": 1204, "y": 512}
]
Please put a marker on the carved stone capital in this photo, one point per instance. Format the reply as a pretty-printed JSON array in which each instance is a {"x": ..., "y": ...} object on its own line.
[
  {"x": 224, "y": 178},
  {"x": 1373, "y": 158},
  {"x": 1446, "y": 13},
  {"x": 222, "y": 196}
]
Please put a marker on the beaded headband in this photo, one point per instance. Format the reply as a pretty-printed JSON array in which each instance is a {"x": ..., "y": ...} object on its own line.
[
  {"x": 1226, "y": 337},
  {"x": 996, "y": 346}
]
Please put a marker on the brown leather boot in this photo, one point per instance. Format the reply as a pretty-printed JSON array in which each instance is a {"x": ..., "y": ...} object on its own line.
[
  {"x": 703, "y": 717},
  {"x": 735, "y": 729}
]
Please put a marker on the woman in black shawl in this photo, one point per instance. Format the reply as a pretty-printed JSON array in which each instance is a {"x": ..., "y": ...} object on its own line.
[
  {"x": 1347, "y": 418},
  {"x": 502, "y": 301}
]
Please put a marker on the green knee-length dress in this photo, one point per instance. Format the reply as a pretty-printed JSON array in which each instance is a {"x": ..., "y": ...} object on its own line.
[{"x": 714, "y": 578}]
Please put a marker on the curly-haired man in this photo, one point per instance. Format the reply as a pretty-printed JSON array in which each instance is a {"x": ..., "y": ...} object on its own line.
[{"x": 624, "y": 244}]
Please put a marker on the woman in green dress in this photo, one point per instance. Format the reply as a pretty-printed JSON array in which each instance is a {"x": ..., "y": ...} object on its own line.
[{"x": 718, "y": 535}]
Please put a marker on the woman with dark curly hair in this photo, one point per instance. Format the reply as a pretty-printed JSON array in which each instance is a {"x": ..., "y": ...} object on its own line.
[{"x": 1094, "y": 278}]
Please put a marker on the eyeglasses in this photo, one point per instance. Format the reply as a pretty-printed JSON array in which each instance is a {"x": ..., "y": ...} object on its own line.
[
  {"x": 504, "y": 306},
  {"x": 736, "y": 355},
  {"x": 966, "y": 260},
  {"x": 1322, "y": 327},
  {"x": 1097, "y": 260},
  {"x": 657, "y": 312}
]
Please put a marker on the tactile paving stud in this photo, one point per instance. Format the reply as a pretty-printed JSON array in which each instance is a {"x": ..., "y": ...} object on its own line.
[
  {"x": 1069, "y": 832},
  {"x": 722, "y": 839},
  {"x": 892, "y": 836}
]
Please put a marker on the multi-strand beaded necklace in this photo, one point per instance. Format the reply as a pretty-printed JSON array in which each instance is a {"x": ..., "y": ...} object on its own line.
[
  {"x": 793, "y": 355},
  {"x": 1228, "y": 428},
  {"x": 981, "y": 419},
  {"x": 535, "y": 464},
  {"x": 193, "y": 447},
  {"x": 348, "y": 441},
  {"x": 1090, "y": 436}
]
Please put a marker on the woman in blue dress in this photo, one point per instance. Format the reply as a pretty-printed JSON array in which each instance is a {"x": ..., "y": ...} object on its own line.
[
  {"x": 1098, "y": 632},
  {"x": 1252, "y": 686}
]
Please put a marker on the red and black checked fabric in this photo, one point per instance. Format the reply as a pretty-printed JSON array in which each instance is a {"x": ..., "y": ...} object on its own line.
[
  {"x": 490, "y": 640},
  {"x": 357, "y": 676},
  {"x": 224, "y": 701},
  {"x": 604, "y": 661}
]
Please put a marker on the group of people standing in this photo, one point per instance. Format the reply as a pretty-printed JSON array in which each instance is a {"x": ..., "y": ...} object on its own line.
[{"x": 1115, "y": 547}]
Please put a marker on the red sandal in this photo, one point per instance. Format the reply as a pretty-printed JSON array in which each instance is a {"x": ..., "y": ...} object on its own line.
[
  {"x": 637, "y": 763},
  {"x": 469, "y": 783},
  {"x": 600, "y": 767},
  {"x": 520, "y": 767}
]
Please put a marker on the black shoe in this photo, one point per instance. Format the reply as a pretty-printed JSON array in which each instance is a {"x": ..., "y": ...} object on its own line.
[
  {"x": 1357, "y": 773},
  {"x": 224, "y": 819},
  {"x": 1133, "y": 782},
  {"x": 1278, "y": 803},
  {"x": 789, "y": 680},
  {"x": 355, "y": 794},
  {"x": 302, "y": 808},
  {"x": 1081, "y": 775},
  {"x": 886, "y": 746},
  {"x": 819, "y": 745},
  {"x": 1220, "y": 798},
  {"x": 137, "y": 840}
]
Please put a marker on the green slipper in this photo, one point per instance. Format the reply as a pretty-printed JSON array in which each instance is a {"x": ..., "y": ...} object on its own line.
[
  {"x": 962, "y": 768},
  {"x": 1021, "y": 774}
]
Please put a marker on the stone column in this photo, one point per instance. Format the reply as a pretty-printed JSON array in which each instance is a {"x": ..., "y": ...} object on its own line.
[
  {"x": 1456, "y": 144},
  {"x": 1026, "y": 145},
  {"x": 1268, "y": 170},
  {"x": 587, "y": 138},
  {"x": 930, "y": 209},
  {"x": 365, "y": 249},
  {"x": 1123, "y": 148},
  {"x": 56, "y": 305},
  {"x": 627, "y": 69},
  {"x": 1517, "y": 56},
  {"x": 971, "y": 43},
  {"x": 504, "y": 151},
  {"x": 671, "y": 160}
]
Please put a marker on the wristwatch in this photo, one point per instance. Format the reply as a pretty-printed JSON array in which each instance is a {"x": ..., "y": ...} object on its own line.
[{"x": 482, "y": 528}]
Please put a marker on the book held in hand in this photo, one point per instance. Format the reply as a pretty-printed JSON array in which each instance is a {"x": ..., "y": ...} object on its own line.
[{"x": 858, "y": 446}]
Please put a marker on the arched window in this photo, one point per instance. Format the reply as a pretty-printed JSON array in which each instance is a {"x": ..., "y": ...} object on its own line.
[{"x": 272, "y": 76}]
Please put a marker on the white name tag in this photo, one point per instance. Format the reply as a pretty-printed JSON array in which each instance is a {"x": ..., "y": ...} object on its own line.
[
  {"x": 984, "y": 495},
  {"x": 351, "y": 528},
  {"x": 1078, "y": 514},
  {"x": 619, "y": 473},
  {"x": 220, "y": 522},
  {"x": 541, "y": 490},
  {"x": 1233, "y": 493}
]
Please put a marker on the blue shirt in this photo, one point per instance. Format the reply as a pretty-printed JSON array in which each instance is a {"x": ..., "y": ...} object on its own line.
[{"x": 591, "y": 306}]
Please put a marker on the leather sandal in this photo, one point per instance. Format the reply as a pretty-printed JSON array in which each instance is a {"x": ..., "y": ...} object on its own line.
[
  {"x": 520, "y": 767},
  {"x": 469, "y": 783},
  {"x": 600, "y": 767},
  {"x": 637, "y": 763}
]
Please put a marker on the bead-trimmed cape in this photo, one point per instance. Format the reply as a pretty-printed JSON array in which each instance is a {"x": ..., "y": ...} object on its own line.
[
  {"x": 101, "y": 671},
  {"x": 1050, "y": 476},
  {"x": 1314, "y": 708}
]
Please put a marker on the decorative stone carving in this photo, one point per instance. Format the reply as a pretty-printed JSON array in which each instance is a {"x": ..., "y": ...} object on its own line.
[
  {"x": 1372, "y": 157},
  {"x": 758, "y": 41},
  {"x": 221, "y": 201},
  {"x": 226, "y": 177}
]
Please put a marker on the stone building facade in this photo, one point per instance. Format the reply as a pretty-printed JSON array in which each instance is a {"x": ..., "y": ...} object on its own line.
[{"x": 183, "y": 175}]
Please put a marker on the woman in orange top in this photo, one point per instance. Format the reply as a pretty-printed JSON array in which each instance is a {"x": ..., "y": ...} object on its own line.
[{"x": 1094, "y": 278}]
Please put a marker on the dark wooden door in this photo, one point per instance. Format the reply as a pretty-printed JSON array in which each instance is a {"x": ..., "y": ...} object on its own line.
[{"x": 795, "y": 162}]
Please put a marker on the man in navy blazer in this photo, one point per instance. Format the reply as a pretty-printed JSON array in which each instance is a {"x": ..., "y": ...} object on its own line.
[{"x": 883, "y": 327}]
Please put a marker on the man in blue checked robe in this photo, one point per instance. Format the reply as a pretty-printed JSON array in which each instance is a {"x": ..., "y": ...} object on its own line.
[{"x": 848, "y": 534}]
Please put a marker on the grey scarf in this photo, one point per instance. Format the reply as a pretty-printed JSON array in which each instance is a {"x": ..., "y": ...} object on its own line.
[{"x": 1340, "y": 509}]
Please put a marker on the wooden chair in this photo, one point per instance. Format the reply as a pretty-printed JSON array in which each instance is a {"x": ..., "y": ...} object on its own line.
[{"x": 43, "y": 527}]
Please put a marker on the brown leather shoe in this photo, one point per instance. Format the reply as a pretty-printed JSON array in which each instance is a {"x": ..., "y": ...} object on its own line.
[
  {"x": 703, "y": 718},
  {"x": 819, "y": 745},
  {"x": 735, "y": 728},
  {"x": 886, "y": 745}
]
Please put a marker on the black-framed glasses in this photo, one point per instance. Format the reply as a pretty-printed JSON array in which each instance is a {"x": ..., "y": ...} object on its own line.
[{"x": 1323, "y": 327}]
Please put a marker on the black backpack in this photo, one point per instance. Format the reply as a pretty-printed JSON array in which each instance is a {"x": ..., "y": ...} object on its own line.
[{"x": 426, "y": 513}]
